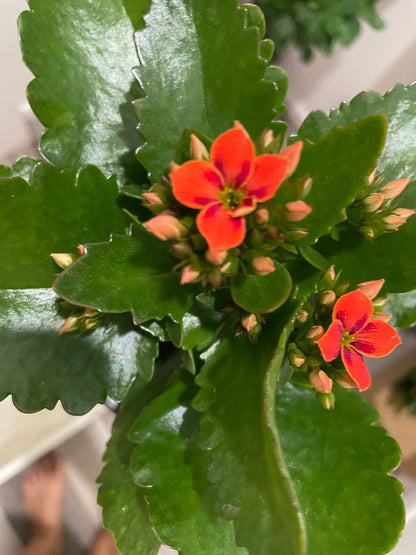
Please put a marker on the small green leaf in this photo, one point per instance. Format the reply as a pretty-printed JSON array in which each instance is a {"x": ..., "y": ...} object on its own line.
[
  {"x": 262, "y": 293},
  {"x": 182, "y": 503},
  {"x": 314, "y": 258},
  {"x": 40, "y": 366},
  {"x": 200, "y": 326},
  {"x": 125, "y": 511},
  {"x": 339, "y": 164},
  {"x": 22, "y": 168},
  {"x": 55, "y": 212},
  {"x": 339, "y": 461},
  {"x": 402, "y": 307},
  {"x": 81, "y": 55},
  {"x": 201, "y": 59},
  {"x": 121, "y": 276}
]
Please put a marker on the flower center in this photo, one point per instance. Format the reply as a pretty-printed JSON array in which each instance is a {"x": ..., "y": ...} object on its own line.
[
  {"x": 347, "y": 338},
  {"x": 230, "y": 197}
]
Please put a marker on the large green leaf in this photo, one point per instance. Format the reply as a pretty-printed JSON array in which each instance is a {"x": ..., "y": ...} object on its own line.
[
  {"x": 81, "y": 53},
  {"x": 402, "y": 307},
  {"x": 55, "y": 212},
  {"x": 200, "y": 68},
  {"x": 339, "y": 164},
  {"x": 338, "y": 461},
  {"x": 125, "y": 511},
  {"x": 39, "y": 366},
  {"x": 129, "y": 273},
  {"x": 238, "y": 382},
  {"x": 182, "y": 503}
]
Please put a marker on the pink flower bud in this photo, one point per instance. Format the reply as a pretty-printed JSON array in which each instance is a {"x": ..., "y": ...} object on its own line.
[
  {"x": 372, "y": 175},
  {"x": 373, "y": 202},
  {"x": 297, "y": 210},
  {"x": 367, "y": 231},
  {"x": 249, "y": 322},
  {"x": 393, "y": 222},
  {"x": 173, "y": 167},
  {"x": 70, "y": 324},
  {"x": 216, "y": 257},
  {"x": 261, "y": 216},
  {"x": 292, "y": 155},
  {"x": 165, "y": 227},
  {"x": 345, "y": 381},
  {"x": 315, "y": 333},
  {"x": 320, "y": 381},
  {"x": 263, "y": 265},
  {"x": 380, "y": 302},
  {"x": 63, "y": 259},
  {"x": 267, "y": 137},
  {"x": 181, "y": 250},
  {"x": 381, "y": 316},
  {"x": 215, "y": 278},
  {"x": 152, "y": 199},
  {"x": 81, "y": 250},
  {"x": 403, "y": 212},
  {"x": 327, "y": 298},
  {"x": 189, "y": 274},
  {"x": 394, "y": 188},
  {"x": 302, "y": 316},
  {"x": 371, "y": 288},
  {"x": 198, "y": 149}
]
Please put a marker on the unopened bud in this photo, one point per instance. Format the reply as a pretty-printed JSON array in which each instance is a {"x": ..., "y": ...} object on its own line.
[
  {"x": 267, "y": 137},
  {"x": 216, "y": 257},
  {"x": 296, "y": 235},
  {"x": 372, "y": 202},
  {"x": 392, "y": 222},
  {"x": 261, "y": 216},
  {"x": 379, "y": 303},
  {"x": 249, "y": 322},
  {"x": 152, "y": 199},
  {"x": 297, "y": 210},
  {"x": 165, "y": 227},
  {"x": 306, "y": 187},
  {"x": 302, "y": 316},
  {"x": 292, "y": 155},
  {"x": 263, "y": 265},
  {"x": 81, "y": 250},
  {"x": 371, "y": 288},
  {"x": 231, "y": 267},
  {"x": 403, "y": 212},
  {"x": 63, "y": 259},
  {"x": 315, "y": 333},
  {"x": 327, "y": 400},
  {"x": 198, "y": 149},
  {"x": 372, "y": 175},
  {"x": 381, "y": 316},
  {"x": 367, "y": 231},
  {"x": 326, "y": 298},
  {"x": 189, "y": 274},
  {"x": 70, "y": 324},
  {"x": 215, "y": 278},
  {"x": 394, "y": 188},
  {"x": 181, "y": 250},
  {"x": 345, "y": 381},
  {"x": 320, "y": 381}
]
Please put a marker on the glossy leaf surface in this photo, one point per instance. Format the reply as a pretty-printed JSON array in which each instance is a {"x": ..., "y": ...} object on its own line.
[
  {"x": 125, "y": 511},
  {"x": 81, "y": 54},
  {"x": 182, "y": 502},
  {"x": 55, "y": 212},
  {"x": 194, "y": 58},
  {"x": 129, "y": 273},
  {"x": 39, "y": 366},
  {"x": 402, "y": 307},
  {"x": 338, "y": 461}
]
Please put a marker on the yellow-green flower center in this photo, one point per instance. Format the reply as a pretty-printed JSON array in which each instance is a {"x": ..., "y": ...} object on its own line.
[
  {"x": 231, "y": 197},
  {"x": 347, "y": 338}
]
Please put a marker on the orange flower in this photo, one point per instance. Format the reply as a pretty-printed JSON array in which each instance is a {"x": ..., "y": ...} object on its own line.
[
  {"x": 355, "y": 332},
  {"x": 228, "y": 186}
]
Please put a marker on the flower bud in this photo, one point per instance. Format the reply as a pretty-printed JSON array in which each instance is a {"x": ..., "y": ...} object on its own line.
[
  {"x": 392, "y": 222},
  {"x": 296, "y": 235},
  {"x": 71, "y": 324},
  {"x": 63, "y": 259},
  {"x": 371, "y": 288},
  {"x": 302, "y": 316},
  {"x": 326, "y": 298},
  {"x": 181, "y": 250},
  {"x": 165, "y": 227},
  {"x": 394, "y": 188},
  {"x": 189, "y": 274},
  {"x": 198, "y": 149},
  {"x": 403, "y": 212},
  {"x": 296, "y": 357},
  {"x": 216, "y": 257},
  {"x": 231, "y": 267},
  {"x": 215, "y": 278},
  {"x": 327, "y": 400},
  {"x": 249, "y": 321},
  {"x": 380, "y": 302},
  {"x": 263, "y": 265},
  {"x": 81, "y": 250},
  {"x": 320, "y": 381},
  {"x": 381, "y": 316},
  {"x": 261, "y": 216},
  {"x": 152, "y": 199},
  {"x": 372, "y": 175},
  {"x": 173, "y": 167},
  {"x": 292, "y": 155},
  {"x": 372, "y": 202},
  {"x": 367, "y": 231},
  {"x": 345, "y": 381},
  {"x": 315, "y": 333},
  {"x": 297, "y": 210}
]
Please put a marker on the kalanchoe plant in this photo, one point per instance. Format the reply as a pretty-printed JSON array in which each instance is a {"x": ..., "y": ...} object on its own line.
[{"x": 220, "y": 287}]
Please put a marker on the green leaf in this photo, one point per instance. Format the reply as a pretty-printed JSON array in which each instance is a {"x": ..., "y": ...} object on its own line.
[
  {"x": 340, "y": 472},
  {"x": 81, "y": 54},
  {"x": 40, "y": 366},
  {"x": 398, "y": 158},
  {"x": 238, "y": 383},
  {"x": 339, "y": 164},
  {"x": 402, "y": 307},
  {"x": 121, "y": 276},
  {"x": 182, "y": 503},
  {"x": 200, "y": 326},
  {"x": 22, "y": 168},
  {"x": 201, "y": 59},
  {"x": 125, "y": 511},
  {"x": 55, "y": 212},
  {"x": 262, "y": 293}
]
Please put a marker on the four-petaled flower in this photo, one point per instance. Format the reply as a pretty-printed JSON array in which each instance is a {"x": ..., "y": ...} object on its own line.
[
  {"x": 353, "y": 333},
  {"x": 228, "y": 186}
]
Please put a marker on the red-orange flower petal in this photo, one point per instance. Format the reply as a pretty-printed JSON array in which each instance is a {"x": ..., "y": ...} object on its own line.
[
  {"x": 330, "y": 343},
  {"x": 354, "y": 310},
  {"x": 269, "y": 172},
  {"x": 221, "y": 231},
  {"x": 248, "y": 206},
  {"x": 356, "y": 368},
  {"x": 196, "y": 183},
  {"x": 377, "y": 339},
  {"x": 232, "y": 153}
]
